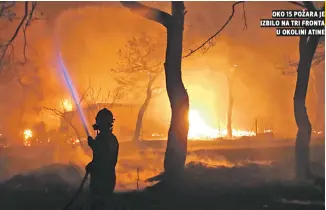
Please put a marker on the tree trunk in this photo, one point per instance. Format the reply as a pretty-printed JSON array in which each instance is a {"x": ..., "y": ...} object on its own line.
[
  {"x": 21, "y": 114},
  {"x": 230, "y": 106},
  {"x": 307, "y": 48},
  {"x": 176, "y": 150},
  {"x": 142, "y": 111},
  {"x": 139, "y": 122}
]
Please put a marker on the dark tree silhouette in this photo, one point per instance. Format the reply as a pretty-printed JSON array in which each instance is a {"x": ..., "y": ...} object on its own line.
[
  {"x": 138, "y": 72},
  {"x": 307, "y": 52},
  {"x": 307, "y": 49},
  {"x": 176, "y": 150},
  {"x": 142, "y": 110}
]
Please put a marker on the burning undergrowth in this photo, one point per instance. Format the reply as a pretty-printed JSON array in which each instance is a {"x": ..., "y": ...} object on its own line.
[
  {"x": 199, "y": 172},
  {"x": 137, "y": 163},
  {"x": 208, "y": 167},
  {"x": 206, "y": 170}
]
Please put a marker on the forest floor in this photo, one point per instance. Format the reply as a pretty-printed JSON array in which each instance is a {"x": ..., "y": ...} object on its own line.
[
  {"x": 195, "y": 195},
  {"x": 215, "y": 178}
]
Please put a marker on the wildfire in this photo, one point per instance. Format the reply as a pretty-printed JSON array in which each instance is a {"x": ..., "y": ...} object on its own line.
[
  {"x": 199, "y": 130},
  {"x": 67, "y": 105},
  {"x": 27, "y": 137}
]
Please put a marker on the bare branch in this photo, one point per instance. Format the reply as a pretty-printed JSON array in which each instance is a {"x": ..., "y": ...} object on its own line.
[
  {"x": 5, "y": 47},
  {"x": 5, "y": 10},
  {"x": 93, "y": 96},
  {"x": 28, "y": 22},
  {"x": 139, "y": 63},
  {"x": 25, "y": 44},
  {"x": 19, "y": 26},
  {"x": 244, "y": 18},
  {"x": 83, "y": 95},
  {"x": 54, "y": 111},
  {"x": 24, "y": 22},
  {"x": 64, "y": 116},
  {"x": 148, "y": 12},
  {"x": 209, "y": 40}
]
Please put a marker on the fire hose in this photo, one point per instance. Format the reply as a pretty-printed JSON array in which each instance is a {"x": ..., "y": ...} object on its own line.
[
  {"x": 76, "y": 100},
  {"x": 81, "y": 186}
]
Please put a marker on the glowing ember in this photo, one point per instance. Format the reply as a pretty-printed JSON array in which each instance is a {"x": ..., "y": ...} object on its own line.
[
  {"x": 157, "y": 134},
  {"x": 199, "y": 130},
  {"x": 67, "y": 105},
  {"x": 27, "y": 137},
  {"x": 317, "y": 132},
  {"x": 76, "y": 141}
]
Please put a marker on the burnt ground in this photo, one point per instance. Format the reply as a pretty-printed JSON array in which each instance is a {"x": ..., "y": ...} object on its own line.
[
  {"x": 194, "y": 196},
  {"x": 247, "y": 186}
]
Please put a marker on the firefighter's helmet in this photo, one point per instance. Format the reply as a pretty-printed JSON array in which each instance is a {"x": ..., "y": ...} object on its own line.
[{"x": 105, "y": 115}]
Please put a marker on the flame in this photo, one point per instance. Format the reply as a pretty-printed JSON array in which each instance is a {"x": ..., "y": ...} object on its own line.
[
  {"x": 67, "y": 105},
  {"x": 27, "y": 135},
  {"x": 199, "y": 130}
]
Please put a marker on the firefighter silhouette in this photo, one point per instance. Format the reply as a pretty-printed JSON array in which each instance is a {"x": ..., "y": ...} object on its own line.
[{"x": 105, "y": 149}]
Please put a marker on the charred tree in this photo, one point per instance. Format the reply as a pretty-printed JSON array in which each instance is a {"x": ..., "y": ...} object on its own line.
[
  {"x": 143, "y": 108},
  {"x": 176, "y": 150},
  {"x": 307, "y": 49},
  {"x": 137, "y": 71}
]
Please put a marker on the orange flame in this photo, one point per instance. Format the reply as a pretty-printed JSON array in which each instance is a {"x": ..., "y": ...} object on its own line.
[
  {"x": 67, "y": 105},
  {"x": 198, "y": 129},
  {"x": 28, "y": 134}
]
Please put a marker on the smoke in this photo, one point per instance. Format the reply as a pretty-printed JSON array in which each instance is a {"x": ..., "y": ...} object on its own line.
[{"x": 91, "y": 40}]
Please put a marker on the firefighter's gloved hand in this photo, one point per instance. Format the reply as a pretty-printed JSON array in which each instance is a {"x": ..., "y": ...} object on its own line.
[
  {"x": 90, "y": 140},
  {"x": 89, "y": 167}
]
